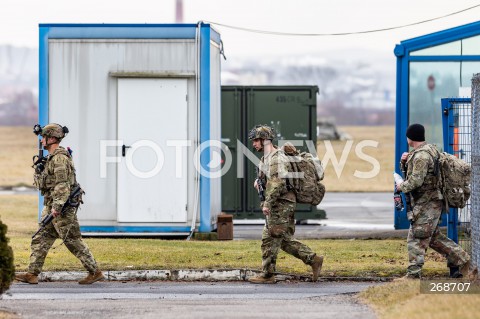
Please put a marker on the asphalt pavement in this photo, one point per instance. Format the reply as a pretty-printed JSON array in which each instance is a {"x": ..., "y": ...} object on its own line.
[
  {"x": 187, "y": 300},
  {"x": 349, "y": 215}
]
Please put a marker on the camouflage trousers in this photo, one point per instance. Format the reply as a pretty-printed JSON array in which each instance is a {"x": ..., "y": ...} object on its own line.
[
  {"x": 278, "y": 233},
  {"x": 424, "y": 232},
  {"x": 66, "y": 228}
]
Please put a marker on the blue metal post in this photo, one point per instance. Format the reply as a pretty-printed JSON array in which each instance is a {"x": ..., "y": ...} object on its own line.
[
  {"x": 205, "y": 185},
  {"x": 400, "y": 219},
  {"x": 452, "y": 229}
]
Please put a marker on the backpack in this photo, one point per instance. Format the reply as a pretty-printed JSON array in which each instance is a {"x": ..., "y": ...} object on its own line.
[
  {"x": 309, "y": 189},
  {"x": 454, "y": 181}
]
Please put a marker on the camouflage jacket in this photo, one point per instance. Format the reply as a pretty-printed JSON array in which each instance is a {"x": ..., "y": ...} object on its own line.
[
  {"x": 57, "y": 179},
  {"x": 421, "y": 180},
  {"x": 274, "y": 169}
]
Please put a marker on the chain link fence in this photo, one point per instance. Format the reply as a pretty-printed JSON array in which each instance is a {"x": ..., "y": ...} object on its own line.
[
  {"x": 475, "y": 162},
  {"x": 460, "y": 145}
]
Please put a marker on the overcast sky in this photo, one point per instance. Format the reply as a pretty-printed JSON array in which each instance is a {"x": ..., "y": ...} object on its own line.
[{"x": 19, "y": 20}]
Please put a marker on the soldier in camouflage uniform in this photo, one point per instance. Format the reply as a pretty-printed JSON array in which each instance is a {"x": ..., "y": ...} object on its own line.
[
  {"x": 55, "y": 183},
  {"x": 422, "y": 182},
  {"x": 278, "y": 208}
]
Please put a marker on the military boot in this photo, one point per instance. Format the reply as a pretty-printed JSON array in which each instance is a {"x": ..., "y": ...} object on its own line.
[
  {"x": 28, "y": 278},
  {"x": 91, "y": 278},
  {"x": 262, "y": 279},
  {"x": 316, "y": 267},
  {"x": 455, "y": 272},
  {"x": 469, "y": 271}
]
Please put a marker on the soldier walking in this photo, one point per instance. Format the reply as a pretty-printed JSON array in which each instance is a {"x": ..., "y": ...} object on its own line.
[
  {"x": 422, "y": 182},
  {"x": 278, "y": 208},
  {"x": 56, "y": 179}
]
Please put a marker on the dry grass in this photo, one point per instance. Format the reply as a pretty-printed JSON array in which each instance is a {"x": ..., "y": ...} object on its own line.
[
  {"x": 19, "y": 213},
  {"x": 343, "y": 257},
  {"x": 403, "y": 300},
  {"x": 18, "y": 145},
  {"x": 4, "y": 314},
  {"x": 383, "y": 153}
]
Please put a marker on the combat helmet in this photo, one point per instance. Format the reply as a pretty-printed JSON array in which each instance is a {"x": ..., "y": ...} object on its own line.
[
  {"x": 262, "y": 131},
  {"x": 54, "y": 130}
]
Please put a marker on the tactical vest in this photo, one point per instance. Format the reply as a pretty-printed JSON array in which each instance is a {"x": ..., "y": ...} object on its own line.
[
  {"x": 46, "y": 180},
  {"x": 431, "y": 183},
  {"x": 264, "y": 166}
]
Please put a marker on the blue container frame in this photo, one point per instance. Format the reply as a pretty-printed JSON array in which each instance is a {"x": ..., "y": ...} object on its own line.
[
  {"x": 402, "y": 52},
  {"x": 138, "y": 31}
]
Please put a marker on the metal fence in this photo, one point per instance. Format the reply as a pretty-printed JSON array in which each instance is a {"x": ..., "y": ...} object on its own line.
[
  {"x": 475, "y": 160},
  {"x": 457, "y": 125}
]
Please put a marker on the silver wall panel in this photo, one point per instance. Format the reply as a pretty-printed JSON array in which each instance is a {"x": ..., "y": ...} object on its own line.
[{"x": 83, "y": 96}]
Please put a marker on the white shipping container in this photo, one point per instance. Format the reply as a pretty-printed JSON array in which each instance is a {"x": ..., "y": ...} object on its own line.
[{"x": 138, "y": 100}]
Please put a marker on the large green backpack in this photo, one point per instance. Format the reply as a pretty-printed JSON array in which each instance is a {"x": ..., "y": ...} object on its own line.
[
  {"x": 454, "y": 178},
  {"x": 309, "y": 189}
]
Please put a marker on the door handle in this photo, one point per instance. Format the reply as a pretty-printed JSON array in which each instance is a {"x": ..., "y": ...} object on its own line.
[{"x": 124, "y": 147}]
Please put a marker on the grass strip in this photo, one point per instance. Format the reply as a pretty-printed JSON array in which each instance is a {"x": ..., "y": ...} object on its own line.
[{"x": 343, "y": 258}]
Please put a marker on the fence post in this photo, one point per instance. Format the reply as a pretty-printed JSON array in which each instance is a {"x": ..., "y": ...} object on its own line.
[{"x": 475, "y": 197}]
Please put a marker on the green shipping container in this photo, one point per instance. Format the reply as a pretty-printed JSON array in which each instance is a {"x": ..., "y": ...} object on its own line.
[{"x": 291, "y": 111}]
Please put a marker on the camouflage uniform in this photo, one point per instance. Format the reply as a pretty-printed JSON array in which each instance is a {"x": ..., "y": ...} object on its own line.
[
  {"x": 55, "y": 184},
  {"x": 280, "y": 223},
  {"x": 427, "y": 203}
]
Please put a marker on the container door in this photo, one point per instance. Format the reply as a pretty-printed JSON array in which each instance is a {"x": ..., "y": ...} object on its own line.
[
  {"x": 231, "y": 131},
  {"x": 152, "y": 181},
  {"x": 291, "y": 112}
]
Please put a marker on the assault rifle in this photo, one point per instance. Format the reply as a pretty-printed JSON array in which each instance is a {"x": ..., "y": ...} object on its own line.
[
  {"x": 261, "y": 187},
  {"x": 38, "y": 160},
  {"x": 71, "y": 202}
]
